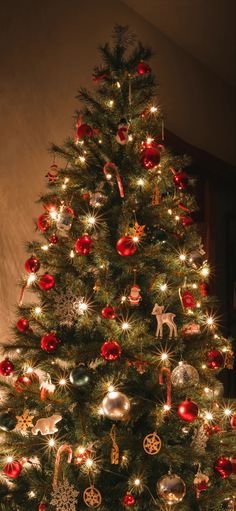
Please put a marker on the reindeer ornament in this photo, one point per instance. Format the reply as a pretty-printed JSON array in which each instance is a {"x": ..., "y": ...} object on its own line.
[{"x": 166, "y": 317}]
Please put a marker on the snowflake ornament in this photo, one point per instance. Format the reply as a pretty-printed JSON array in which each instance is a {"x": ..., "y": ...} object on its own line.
[
  {"x": 68, "y": 307},
  {"x": 24, "y": 421},
  {"x": 64, "y": 497}
]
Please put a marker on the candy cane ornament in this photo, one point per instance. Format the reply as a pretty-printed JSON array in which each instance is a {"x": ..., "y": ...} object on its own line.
[{"x": 63, "y": 448}]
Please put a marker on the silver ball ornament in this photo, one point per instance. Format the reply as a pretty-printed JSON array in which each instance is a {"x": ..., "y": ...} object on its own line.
[
  {"x": 171, "y": 488},
  {"x": 184, "y": 375},
  {"x": 116, "y": 405}
]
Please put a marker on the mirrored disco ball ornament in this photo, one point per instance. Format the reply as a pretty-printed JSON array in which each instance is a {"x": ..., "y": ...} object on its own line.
[
  {"x": 184, "y": 375},
  {"x": 171, "y": 488},
  {"x": 116, "y": 405}
]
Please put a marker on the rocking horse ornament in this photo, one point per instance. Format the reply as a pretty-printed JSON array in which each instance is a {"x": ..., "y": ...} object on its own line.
[{"x": 162, "y": 318}]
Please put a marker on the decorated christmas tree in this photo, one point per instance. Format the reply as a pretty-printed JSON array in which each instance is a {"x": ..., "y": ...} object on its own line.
[{"x": 109, "y": 391}]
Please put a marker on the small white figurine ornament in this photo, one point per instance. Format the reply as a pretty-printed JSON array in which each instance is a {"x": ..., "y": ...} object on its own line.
[
  {"x": 164, "y": 318},
  {"x": 46, "y": 425}
]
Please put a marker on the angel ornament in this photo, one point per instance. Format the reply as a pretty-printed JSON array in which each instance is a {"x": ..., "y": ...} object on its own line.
[{"x": 164, "y": 318}]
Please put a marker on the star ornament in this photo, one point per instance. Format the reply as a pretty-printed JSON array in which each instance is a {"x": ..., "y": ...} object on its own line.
[
  {"x": 24, "y": 421},
  {"x": 152, "y": 444},
  {"x": 92, "y": 497},
  {"x": 138, "y": 231}
]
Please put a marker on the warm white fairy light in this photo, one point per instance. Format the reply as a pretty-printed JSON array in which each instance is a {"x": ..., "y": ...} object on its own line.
[
  {"x": 31, "y": 494},
  {"x": 37, "y": 311},
  {"x": 72, "y": 254},
  {"x": 204, "y": 366},
  {"x": 140, "y": 182},
  {"x": 135, "y": 239},
  {"x": 190, "y": 312},
  {"x": 177, "y": 218},
  {"x": 125, "y": 325},
  {"x": 130, "y": 138},
  {"x": 53, "y": 213},
  {"x": 153, "y": 109},
  {"x": 64, "y": 186},
  {"x": 166, "y": 407},
  {"x": 91, "y": 220},
  {"x": 45, "y": 247},
  {"x": 100, "y": 141},
  {"x": 111, "y": 388},
  {"x": 207, "y": 390},
  {"x": 118, "y": 85},
  {"x": 149, "y": 140},
  {"x": 123, "y": 299},
  {"x": 32, "y": 277},
  {"x": 198, "y": 304},
  {"x": 82, "y": 159},
  {"x": 169, "y": 211},
  {"x": 111, "y": 103},
  {"x": 210, "y": 321},
  {"x": 194, "y": 285},
  {"x": 182, "y": 257},
  {"x": 164, "y": 356},
  {"x": 205, "y": 271},
  {"x": 51, "y": 442},
  {"x": 10, "y": 459},
  {"x": 89, "y": 463},
  {"x": 163, "y": 287},
  {"x": 108, "y": 176},
  {"x": 227, "y": 412},
  {"x": 137, "y": 482},
  {"x": 83, "y": 307},
  {"x": 62, "y": 382},
  {"x": 209, "y": 416},
  {"x": 30, "y": 370}
]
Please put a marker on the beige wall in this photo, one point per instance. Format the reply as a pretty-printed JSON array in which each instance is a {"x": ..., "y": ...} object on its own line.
[{"x": 47, "y": 50}]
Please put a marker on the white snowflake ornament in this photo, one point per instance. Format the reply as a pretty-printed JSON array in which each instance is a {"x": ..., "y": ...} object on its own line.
[{"x": 64, "y": 497}]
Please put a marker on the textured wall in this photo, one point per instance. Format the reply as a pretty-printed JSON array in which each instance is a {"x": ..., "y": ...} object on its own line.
[{"x": 48, "y": 49}]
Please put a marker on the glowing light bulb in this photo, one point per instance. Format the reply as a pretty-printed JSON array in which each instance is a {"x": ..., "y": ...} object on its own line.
[
  {"x": 53, "y": 213},
  {"x": 227, "y": 412},
  {"x": 108, "y": 177},
  {"x": 30, "y": 370},
  {"x": 140, "y": 182},
  {"x": 111, "y": 388},
  {"x": 91, "y": 220},
  {"x": 153, "y": 109},
  {"x": 164, "y": 356},
  {"x": 82, "y": 159},
  {"x": 10, "y": 459},
  {"x": 137, "y": 482},
  {"x": 210, "y": 321},
  {"x": 83, "y": 307},
  {"x": 45, "y": 248},
  {"x": 163, "y": 287},
  {"x": 72, "y": 254},
  {"x": 205, "y": 271},
  {"x": 177, "y": 218},
  {"x": 204, "y": 366},
  {"x": 51, "y": 442},
  {"x": 166, "y": 408},
  {"x": 125, "y": 325},
  {"x": 111, "y": 103},
  {"x": 118, "y": 85},
  {"x": 135, "y": 239},
  {"x": 209, "y": 416},
  {"x": 169, "y": 211},
  {"x": 130, "y": 138},
  {"x": 149, "y": 140},
  {"x": 194, "y": 286},
  {"x": 62, "y": 381},
  {"x": 182, "y": 257},
  {"x": 206, "y": 390},
  {"x": 64, "y": 186},
  {"x": 123, "y": 299},
  {"x": 37, "y": 310},
  {"x": 32, "y": 277},
  {"x": 198, "y": 304},
  {"x": 89, "y": 462}
]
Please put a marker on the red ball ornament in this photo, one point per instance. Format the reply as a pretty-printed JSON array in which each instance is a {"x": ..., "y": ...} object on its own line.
[
  {"x": 12, "y": 469},
  {"x": 84, "y": 130},
  {"x": 53, "y": 239},
  {"x": 6, "y": 367},
  {"x": 224, "y": 467},
  {"x": 129, "y": 500},
  {"x": 180, "y": 180},
  {"x": 25, "y": 379},
  {"x": 215, "y": 359},
  {"x": 188, "y": 411},
  {"x": 143, "y": 68},
  {"x": 23, "y": 325},
  {"x": 42, "y": 507},
  {"x": 108, "y": 312},
  {"x": 43, "y": 222},
  {"x": 46, "y": 282},
  {"x": 49, "y": 342},
  {"x": 126, "y": 246},
  {"x": 233, "y": 421},
  {"x": 150, "y": 155},
  {"x": 188, "y": 300},
  {"x": 32, "y": 265},
  {"x": 111, "y": 350},
  {"x": 84, "y": 245},
  {"x": 186, "y": 220}
]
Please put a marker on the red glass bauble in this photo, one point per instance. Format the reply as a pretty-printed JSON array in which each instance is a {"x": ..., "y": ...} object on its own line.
[
  {"x": 150, "y": 156},
  {"x": 188, "y": 411},
  {"x": 188, "y": 300},
  {"x": 143, "y": 68},
  {"x": 129, "y": 500},
  {"x": 215, "y": 359},
  {"x": 53, "y": 239},
  {"x": 186, "y": 220},
  {"x": 43, "y": 222},
  {"x": 42, "y": 507},
  {"x": 32, "y": 265},
  {"x": 22, "y": 325},
  {"x": 108, "y": 312},
  {"x": 84, "y": 131},
  {"x": 233, "y": 421},
  {"x": 84, "y": 245},
  {"x": 203, "y": 288},
  {"x": 46, "y": 282},
  {"x": 49, "y": 342},
  {"x": 111, "y": 350},
  {"x": 12, "y": 469},
  {"x": 25, "y": 379},
  {"x": 6, "y": 367},
  {"x": 224, "y": 467},
  {"x": 180, "y": 180},
  {"x": 125, "y": 246}
]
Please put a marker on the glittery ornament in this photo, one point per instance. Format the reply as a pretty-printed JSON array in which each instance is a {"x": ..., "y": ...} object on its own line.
[
  {"x": 184, "y": 375},
  {"x": 64, "y": 497}
]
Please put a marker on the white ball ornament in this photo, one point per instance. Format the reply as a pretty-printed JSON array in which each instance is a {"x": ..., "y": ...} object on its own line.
[
  {"x": 116, "y": 405},
  {"x": 184, "y": 375}
]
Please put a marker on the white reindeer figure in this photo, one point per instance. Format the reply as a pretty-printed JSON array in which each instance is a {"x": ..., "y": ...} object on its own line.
[{"x": 166, "y": 317}]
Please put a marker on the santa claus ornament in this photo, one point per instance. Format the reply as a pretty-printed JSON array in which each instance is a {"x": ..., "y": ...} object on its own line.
[
  {"x": 122, "y": 132},
  {"x": 134, "y": 296}
]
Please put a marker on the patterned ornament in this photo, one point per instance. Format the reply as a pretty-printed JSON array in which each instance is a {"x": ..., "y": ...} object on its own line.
[
  {"x": 67, "y": 307},
  {"x": 47, "y": 425},
  {"x": 184, "y": 375},
  {"x": 137, "y": 231},
  {"x": 152, "y": 444},
  {"x": 24, "y": 421},
  {"x": 229, "y": 359},
  {"x": 92, "y": 497},
  {"x": 64, "y": 497}
]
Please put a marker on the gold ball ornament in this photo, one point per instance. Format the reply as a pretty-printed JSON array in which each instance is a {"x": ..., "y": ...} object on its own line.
[
  {"x": 152, "y": 444},
  {"x": 116, "y": 405},
  {"x": 92, "y": 497},
  {"x": 171, "y": 488}
]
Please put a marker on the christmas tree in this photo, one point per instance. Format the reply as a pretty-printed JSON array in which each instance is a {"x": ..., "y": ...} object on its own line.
[{"x": 109, "y": 391}]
